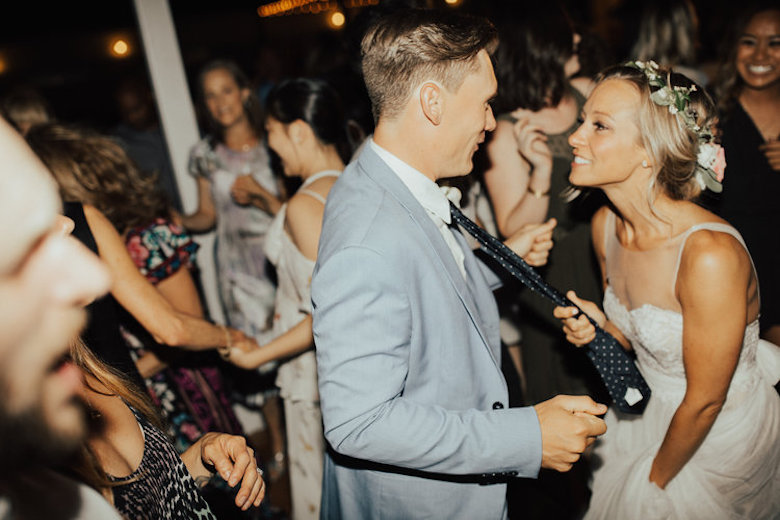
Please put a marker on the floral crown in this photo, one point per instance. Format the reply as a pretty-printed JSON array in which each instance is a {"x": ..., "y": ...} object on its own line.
[{"x": 711, "y": 159}]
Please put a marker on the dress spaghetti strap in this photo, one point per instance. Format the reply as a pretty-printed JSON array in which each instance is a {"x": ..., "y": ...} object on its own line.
[
  {"x": 325, "y": 173},
  {"x": 721, "y": 228},
  {"x": 711, "y": 226},
  {"x": 312, "y": 194}
]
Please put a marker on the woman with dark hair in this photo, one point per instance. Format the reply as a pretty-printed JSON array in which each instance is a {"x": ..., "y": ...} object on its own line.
[
  {"x": 307, "y": 129},
  {"x": 748, "y": 92},
  {"x": 681, "y": 293},
  {"x": 526, "y": 176}
]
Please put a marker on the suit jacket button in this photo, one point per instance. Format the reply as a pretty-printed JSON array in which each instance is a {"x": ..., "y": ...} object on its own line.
[{"x": 497, "y": 405}]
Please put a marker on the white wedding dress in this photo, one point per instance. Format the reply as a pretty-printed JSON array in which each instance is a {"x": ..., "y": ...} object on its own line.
[{"x": 735, "y": 473}]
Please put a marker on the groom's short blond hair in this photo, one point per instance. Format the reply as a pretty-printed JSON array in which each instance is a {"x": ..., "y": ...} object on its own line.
[{"x": 403, "y": 49}]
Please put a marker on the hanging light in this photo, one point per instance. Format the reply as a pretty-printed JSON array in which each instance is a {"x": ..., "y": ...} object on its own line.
[
  {"x": 336, "y": 19},
  {"x": 119, "y": 48}
]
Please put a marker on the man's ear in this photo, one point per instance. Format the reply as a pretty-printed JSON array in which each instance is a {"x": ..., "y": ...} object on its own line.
[{"x": 432, "y": 101}]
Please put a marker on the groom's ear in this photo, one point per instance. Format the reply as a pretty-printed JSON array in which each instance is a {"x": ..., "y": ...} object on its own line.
[{"x": 432, "y": 101}]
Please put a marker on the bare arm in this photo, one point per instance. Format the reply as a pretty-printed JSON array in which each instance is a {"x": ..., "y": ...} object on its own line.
[
  {"x": 509, "y": 177},
  {"x": 296, "y": 340},
  {"x": 303, "y": 222},
  {"x": 179, "y": 289},
  {"x": 141, "y": 299},
  {"x": 206, "y": 215},
  {"x": 714, "y": 318}
]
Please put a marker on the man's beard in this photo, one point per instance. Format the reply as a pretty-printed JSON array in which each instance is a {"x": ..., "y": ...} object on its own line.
[{"x": 28, "y": 442}]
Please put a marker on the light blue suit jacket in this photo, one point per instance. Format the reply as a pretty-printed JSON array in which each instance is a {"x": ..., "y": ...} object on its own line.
[{"x": 408, "y": 356}]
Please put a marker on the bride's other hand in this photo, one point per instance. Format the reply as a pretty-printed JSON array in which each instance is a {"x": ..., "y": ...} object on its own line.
[
  {"x": 533, "y": 242},
  {"x": 579, "y": 331}
]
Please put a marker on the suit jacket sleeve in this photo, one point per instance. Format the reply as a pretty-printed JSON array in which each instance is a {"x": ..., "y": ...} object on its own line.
[{"x": 362, "y": 328}]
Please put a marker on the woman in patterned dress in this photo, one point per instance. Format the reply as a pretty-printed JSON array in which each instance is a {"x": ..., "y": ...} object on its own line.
[{"x": 129, "y": 459}]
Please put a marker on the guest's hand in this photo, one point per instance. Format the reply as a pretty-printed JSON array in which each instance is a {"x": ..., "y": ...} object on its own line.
[
  {"x": 533, "y": 242},
  {"x": 176, "y": 218},
  {"x": 235, "y": 462},
  {"x": 239, "y": 342},
  {"x": 772, "y": 151},
  {"x": 579, "y": 331},
  {"x": 243, "y": 188},
  {"x": 241, "y": 197},
  {"x": 532, "y": 145},
  {"x": 569, "y": 425},
  {"x": 246, "y": 358},
  {"x": 246, "y": 190}
]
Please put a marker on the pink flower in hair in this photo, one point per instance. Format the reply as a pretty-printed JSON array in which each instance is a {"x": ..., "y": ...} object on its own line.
[{"x": 719, "y": 166}]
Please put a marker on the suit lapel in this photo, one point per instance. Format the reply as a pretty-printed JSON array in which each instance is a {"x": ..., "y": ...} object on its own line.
[{"x": 375, "y": 168}]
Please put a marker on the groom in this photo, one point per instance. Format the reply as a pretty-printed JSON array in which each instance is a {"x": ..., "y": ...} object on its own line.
[{"x": 405, "y": 324}]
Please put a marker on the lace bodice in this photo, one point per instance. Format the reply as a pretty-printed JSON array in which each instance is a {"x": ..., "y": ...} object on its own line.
[
  {"x": 640, "y": 300},
  {"x": 656, "y": 337}
]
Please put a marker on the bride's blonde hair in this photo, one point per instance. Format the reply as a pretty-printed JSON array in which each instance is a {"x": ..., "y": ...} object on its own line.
[{"x": 673, "y": 147}]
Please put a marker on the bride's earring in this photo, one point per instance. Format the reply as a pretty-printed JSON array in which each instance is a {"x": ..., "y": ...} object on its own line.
[{"x": 644, "y": 164}]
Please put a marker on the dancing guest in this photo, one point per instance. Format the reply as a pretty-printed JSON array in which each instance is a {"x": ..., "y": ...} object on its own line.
[
  {"x": 682, "y": 294},
  {"x": 46, "y": 277},
  {"x": 129, "y": 459},
  {"x": 526, "y": 176},
  {"x": 94, "y": 169},
  {"x": 141, "y": 136},
  {"x": 749, "y": 102},
  {"x": 669, "y": 34},
  {"x": 25, "y": 107},
  {"x": 307, "y": 129},
  {"x": 414, "y": 404},
  {"x": 234, "y": 180},
  {"x": 238, "y": 195}
]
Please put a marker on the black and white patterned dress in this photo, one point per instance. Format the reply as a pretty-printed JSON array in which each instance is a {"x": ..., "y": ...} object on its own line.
[{"x": 161, "y": 487}]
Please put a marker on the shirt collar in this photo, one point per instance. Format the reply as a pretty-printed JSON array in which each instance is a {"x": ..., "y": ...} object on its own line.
[{"x": 434, "y": 198}]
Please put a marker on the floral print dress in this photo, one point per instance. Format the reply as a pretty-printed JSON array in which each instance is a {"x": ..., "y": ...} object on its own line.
[{"x": 190, "y": 391}]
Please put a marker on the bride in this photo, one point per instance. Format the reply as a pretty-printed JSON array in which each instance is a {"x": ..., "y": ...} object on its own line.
[{"x": 681, "y": 292}]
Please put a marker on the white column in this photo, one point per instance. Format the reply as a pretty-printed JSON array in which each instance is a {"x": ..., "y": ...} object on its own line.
[{"x": 179, "y": 123}]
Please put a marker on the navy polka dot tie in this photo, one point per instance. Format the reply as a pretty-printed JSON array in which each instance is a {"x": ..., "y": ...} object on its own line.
[{"x": 615, "y": 365}]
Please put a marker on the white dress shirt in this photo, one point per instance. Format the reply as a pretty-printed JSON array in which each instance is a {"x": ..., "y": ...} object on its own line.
[{"x": 430, "y": 195}]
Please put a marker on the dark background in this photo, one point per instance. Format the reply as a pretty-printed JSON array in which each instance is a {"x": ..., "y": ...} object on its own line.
[{"x": 61, "y": 48}]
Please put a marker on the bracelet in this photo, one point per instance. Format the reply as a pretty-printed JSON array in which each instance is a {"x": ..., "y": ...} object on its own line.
[
  {"x": 228, "y": 339},
  {"x": 538, "y": 194}
]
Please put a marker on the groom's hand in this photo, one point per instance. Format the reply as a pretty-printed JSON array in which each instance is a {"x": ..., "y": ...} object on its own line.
[{"x": 569, "y": 425}]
